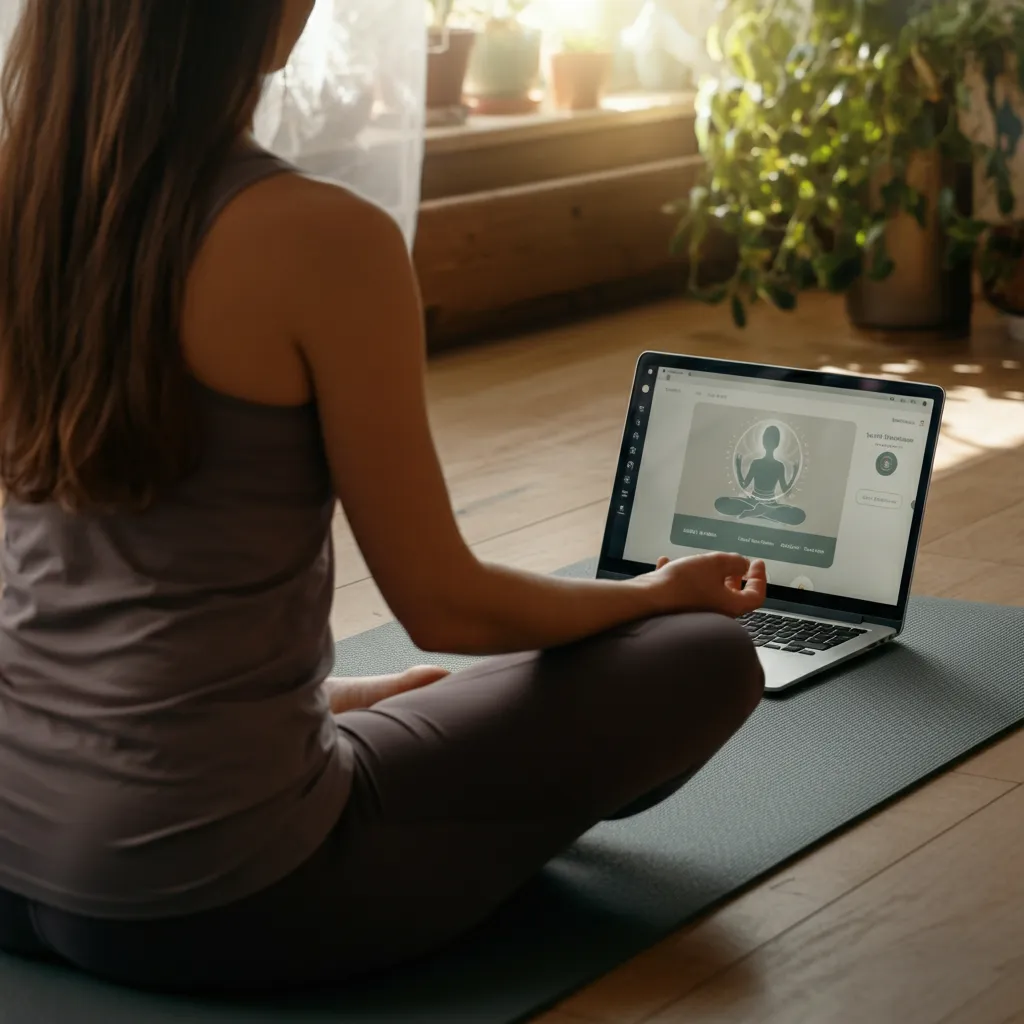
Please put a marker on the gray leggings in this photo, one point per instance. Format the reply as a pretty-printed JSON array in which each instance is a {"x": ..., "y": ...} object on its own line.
[{"x": 463, "y": 791}]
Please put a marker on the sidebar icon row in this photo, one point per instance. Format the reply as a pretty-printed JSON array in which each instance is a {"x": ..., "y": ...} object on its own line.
[{"x": 636, "y": 430}]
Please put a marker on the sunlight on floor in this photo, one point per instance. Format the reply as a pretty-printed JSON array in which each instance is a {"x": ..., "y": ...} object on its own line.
[{"x": 976, "y": 423}]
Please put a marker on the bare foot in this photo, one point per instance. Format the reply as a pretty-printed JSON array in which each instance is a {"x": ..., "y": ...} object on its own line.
[{"x": 353, "y": 694}]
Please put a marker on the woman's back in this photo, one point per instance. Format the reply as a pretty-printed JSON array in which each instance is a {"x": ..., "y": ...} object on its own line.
[
  {"x": 179, "y": 408},
  {"x": 164, "y": 739}
]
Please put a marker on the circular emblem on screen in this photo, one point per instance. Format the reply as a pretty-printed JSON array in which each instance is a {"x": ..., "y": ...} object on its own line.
[{"x": 886, "y": 464}]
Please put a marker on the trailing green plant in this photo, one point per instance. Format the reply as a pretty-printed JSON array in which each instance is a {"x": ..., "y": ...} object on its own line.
[{"x": 810, "y": 132}]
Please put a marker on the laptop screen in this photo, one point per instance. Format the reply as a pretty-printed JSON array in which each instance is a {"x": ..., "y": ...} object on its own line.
[{"x": 820, "y": 482}]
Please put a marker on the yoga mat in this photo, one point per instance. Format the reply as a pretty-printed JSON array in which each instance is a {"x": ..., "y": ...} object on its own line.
[{"x": 804, "y": 766}]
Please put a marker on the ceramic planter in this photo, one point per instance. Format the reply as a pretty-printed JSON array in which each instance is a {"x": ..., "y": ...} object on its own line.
[
  {"x": 921, "y": 293},
  {"x": 504, "y": 69}
]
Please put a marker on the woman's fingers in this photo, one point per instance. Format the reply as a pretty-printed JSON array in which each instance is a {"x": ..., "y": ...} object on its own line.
[
  {"x": 755, "y": 587},
  {"x": 729, "y": 583},
  {"x": 732, "y": 565}
]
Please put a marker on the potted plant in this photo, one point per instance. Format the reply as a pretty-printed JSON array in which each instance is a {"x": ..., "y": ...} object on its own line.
[
  {"x": 836, "y": 157},
  {"x": 991, "y": 117},
  {"x": 580, "y": 70},
  {"x": 448, "y": 53},
  {"x": 504, "y": 69}
]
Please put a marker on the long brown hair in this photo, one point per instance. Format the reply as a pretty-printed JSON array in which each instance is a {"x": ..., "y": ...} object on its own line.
[{"x": 115, "y": 115}]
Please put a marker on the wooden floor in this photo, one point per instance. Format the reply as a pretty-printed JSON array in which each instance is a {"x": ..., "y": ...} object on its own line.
[{"x": 915, "y": 916}]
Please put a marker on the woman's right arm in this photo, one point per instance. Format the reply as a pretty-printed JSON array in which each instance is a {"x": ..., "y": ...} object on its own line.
[{"x": 359, "y": 328}]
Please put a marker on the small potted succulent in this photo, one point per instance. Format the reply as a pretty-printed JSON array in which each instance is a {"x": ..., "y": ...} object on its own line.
[
  {"x": 580, "y": 70},
  {"x": 504, "y": 70},
  {"x": 449, "y": 49}
]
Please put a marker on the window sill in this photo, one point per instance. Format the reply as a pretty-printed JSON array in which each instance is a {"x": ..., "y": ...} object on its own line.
[
  {"x": 638, "y": 108},
  {"x": 489, "y": 153},
  {"x": 530, "y": 218}
]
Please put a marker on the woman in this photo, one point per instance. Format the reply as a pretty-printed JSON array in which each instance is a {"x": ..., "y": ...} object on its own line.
[{"x": 200, "y": 352}]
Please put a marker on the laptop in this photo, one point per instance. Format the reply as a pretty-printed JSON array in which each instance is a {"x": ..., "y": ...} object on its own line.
[{"x": 823, "y": 476}]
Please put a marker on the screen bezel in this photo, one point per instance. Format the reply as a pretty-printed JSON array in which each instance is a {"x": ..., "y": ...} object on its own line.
[{"x": 755, "y": 372}]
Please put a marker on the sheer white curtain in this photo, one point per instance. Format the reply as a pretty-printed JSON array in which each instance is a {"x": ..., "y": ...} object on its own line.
[{"x": 351, "y": 105}]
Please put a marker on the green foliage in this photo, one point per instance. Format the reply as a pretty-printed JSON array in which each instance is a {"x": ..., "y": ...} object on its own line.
[{"x": 823, "y": 101}]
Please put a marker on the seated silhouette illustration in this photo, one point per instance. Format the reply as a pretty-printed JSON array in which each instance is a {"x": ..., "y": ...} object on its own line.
[{"x": 768, "y": 476}]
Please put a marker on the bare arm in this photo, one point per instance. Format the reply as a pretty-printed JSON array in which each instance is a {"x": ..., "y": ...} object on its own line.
[
  {"x": 744, "y": 480},
  {"x": 361, "y": 334}
]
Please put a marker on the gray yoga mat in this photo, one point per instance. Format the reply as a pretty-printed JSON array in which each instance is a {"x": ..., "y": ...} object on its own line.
[{"x": 804, "y": 766}]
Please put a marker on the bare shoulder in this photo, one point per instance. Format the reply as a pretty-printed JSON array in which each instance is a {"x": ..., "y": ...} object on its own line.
[
  {"x": 310, "y": 219},
  {"x": 347, "y": 265},
  {"x": 289, "y": 260}
]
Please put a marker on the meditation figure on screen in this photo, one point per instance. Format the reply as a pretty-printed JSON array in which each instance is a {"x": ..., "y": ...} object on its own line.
[{"x": 768, "y": 476}]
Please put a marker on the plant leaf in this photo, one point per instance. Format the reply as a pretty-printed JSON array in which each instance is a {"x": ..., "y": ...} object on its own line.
[
  {"x": 916, "y": 204},
  {"x": 958, "y": 252},
  {"x": 1009, "y": 127},
  {"x": 947, "y": 205},
  {"x": 713, "y": 42},
  {"x": 893, "y": 192},
  {"x": 681, "y": 238},
  {"x": 712, "y": 296},
  {"x": 698, "y": 196},
  {"x": 874, "y": 233},
  {"x": 840, "y": 271},
  {"x": 739, "y": 312},
  {"x": 882, "y": 269},
  {"x": 781, "y": 297}
]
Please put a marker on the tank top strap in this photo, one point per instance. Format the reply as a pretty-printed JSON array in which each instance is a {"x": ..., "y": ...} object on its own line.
[{"x": 245, "y": 168}]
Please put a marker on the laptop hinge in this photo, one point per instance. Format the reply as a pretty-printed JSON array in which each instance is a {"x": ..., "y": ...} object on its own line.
[{"x": 819, "y": 613}]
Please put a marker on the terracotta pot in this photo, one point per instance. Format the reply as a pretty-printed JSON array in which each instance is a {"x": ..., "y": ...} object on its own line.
[
  {"x": 448, "y": 54},
  {"x": 578, "y": 80}
]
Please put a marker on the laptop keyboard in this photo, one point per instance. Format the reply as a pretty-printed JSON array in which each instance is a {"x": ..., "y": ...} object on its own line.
[{"x": 796, "y": 636}]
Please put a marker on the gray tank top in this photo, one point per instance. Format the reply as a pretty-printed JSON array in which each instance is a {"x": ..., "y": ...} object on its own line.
[{"x": 165, "y": 744}]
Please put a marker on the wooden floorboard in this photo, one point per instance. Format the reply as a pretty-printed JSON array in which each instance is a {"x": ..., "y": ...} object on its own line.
[
  {"x": 1003, "y": 760},
  {"x": 927, "y": 939},
  {"x": 915, "y": 916},
  {"x": 665, "y": 974}
]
